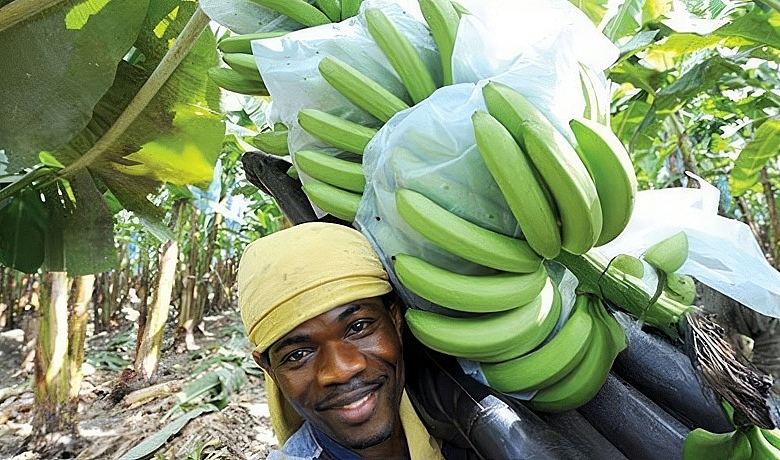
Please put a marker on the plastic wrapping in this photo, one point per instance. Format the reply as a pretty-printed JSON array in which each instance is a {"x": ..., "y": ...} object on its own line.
[
  {"x": 723, "y": 253},
  {"x": 431, "y": 148}
]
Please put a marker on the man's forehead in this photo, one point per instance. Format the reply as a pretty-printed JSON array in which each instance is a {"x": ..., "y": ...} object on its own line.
[{"x": 334, "y": 315}]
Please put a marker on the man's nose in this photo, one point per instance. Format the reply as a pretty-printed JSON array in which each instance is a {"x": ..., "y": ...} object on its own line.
[{"x": 339, "y": 362}]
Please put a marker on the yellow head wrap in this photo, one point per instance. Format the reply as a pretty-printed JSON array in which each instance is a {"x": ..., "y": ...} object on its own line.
[{"x": 293, "y": 275}]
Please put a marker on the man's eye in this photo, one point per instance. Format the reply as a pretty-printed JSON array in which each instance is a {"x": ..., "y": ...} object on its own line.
[
  {"x": 296, "y": 355},
  {"x": 359, "y": 326}
]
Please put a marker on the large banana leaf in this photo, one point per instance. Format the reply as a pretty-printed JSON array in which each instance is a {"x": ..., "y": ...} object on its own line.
[
  {"x": 54, "y": 67},
  {"x": 158, "y": 121}
]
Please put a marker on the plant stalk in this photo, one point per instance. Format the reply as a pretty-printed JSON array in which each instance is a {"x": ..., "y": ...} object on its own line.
[
  {"x": 175, "y": 55},
  {"x": 624, "y": 292},
  {"x": 20, "y": 10}
]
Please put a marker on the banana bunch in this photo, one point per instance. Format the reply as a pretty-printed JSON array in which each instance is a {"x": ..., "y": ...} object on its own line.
[
  {"x": 310, "y": 15},
  {"x": 568, "y": 369},
  {"x": 565, "y": 197},
  {"x": 241, "y": 74},
  {"x": 491, "y": 336},
  {"x": 503, "y": 313},
  {"x": 586, "y": 379},
  {"x": 333, "y": 185},
  {"x": 751, "y": 443},
  {"x": 504, "y": 319}
]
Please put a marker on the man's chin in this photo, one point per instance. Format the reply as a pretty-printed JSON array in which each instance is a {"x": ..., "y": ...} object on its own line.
[{"x": 369, "y": 440}]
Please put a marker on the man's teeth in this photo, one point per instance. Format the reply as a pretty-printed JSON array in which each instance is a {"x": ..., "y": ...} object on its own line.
[{"x": 356, "y": 403}]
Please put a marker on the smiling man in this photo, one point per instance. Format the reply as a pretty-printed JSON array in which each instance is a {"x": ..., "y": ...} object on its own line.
[{"x": 319, "y": 309}]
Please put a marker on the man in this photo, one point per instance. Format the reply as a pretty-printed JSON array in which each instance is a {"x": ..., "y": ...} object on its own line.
[{"x": 318, "y": 307}]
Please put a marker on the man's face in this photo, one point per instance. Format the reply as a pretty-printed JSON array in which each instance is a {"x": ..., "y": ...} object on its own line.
[{"x": 343, "y": 371}]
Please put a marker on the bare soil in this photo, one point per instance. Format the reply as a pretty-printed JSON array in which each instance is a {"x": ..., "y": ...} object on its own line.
[{"x": 110, "y": 424}]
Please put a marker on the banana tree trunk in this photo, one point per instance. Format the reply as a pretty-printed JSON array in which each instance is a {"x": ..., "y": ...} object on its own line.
[
  {"x": 79, "y": 315},
  {"x": 53, "y": 413},
  {"x": 150, "y": 336}
]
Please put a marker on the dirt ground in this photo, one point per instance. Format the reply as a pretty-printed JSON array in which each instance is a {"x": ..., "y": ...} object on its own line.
[{"x": 109, "y": 425}]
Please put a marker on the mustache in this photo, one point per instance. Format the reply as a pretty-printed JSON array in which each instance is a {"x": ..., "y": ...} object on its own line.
[{"x": 350, "y": 391}]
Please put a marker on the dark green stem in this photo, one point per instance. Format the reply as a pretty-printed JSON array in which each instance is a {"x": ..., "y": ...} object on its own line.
[{"x": 624, "y": 292}]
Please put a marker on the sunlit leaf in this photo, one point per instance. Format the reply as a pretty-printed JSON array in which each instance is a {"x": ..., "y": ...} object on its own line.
[
  {"x": 626, "y": 21},
  {"x": 679, "y": 45},
  {"x": 186, "y": 155},
  {"x": 764, "y": 145},
  {"x": 55, "y": 67},
  {"x": 754, "y": 27},
  {"x": 696, "y": 80}
]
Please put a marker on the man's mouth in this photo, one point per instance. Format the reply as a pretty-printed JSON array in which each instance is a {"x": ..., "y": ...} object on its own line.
[
  {"x": 357, "y": 403},
  {"x": 347, "y": 399},
  {"x": 358, "y": 411}
]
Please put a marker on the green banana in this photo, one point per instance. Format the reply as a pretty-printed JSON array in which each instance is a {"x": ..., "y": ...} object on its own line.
[
  {"x": 349, "y": 8},
  {"x": 243, "y": 64},
  {"x": 468, "y": 293},
  {"x": 272, "y": 141},
  {"x": 297, "y": 10},
  {"x": 574, "y": 192},
  {"x": 773, "y": 436},
  {"x": 519, "y": 183},
  {"x": 336, "y": 131},
  {"x": 681, "y": 288},
  {"x": 331, "y": 8},
  {"x": 243, "y": 43},
  {"x": 233, "y": 81},
  {"x": 581, "y": 384},
  {"x": 760, "y": 447},
  {"x": 669, "y": 254},
  {"x": 610, "y": 167},
  {"x": 402, "y": 56},
  {"x": 331, "y": 170},
  {"x": 629, "y": 265},
  {"x": 593, "y": 106},
  {"x": 360, "y": 89},
  {"x": 548, "y": 363},
  {"x": 337, "y": 202},
  {"x": 443, "y": 21},
  {"x": 463, "y": 238},
  {"x": 490, "y": 337},
  {"x": 701, "y": 444},
  {"x": 459, "y": 8}
]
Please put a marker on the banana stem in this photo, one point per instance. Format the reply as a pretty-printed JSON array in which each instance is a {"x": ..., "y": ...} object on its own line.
[
  {"x": 19, "y": 10},
  {"x": 26, "y": 180},
  {"x": 612, "y": 286}
]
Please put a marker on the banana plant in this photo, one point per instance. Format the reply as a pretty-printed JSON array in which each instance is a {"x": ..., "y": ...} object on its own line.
[{"x": 107, "y": 101}]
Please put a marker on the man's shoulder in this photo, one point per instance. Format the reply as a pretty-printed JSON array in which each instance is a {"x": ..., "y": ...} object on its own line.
[{"x": 300, "y": 446}]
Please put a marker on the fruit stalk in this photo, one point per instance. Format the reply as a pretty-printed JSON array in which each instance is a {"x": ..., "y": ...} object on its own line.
[{"x": 613, "y": 286}]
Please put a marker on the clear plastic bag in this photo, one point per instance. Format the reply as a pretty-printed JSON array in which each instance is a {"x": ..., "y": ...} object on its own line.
[
  {"x": 289, "y": 68},
  {"x": 723, "y": 253},
  {"x": 536, "y": 47}
]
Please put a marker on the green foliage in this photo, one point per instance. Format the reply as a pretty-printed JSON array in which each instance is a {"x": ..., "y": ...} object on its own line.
[
  {"x": 134, "y": 116},
  {"x": 57, "y": 65},
  {"x": 695, "y": 97}
]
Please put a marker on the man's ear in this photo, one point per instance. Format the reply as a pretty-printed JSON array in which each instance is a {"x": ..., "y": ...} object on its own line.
[{"x": 262, "y": 360}]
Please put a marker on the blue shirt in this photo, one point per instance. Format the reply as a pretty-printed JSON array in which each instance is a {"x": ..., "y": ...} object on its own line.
[{"x": 308, "y": 443}]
